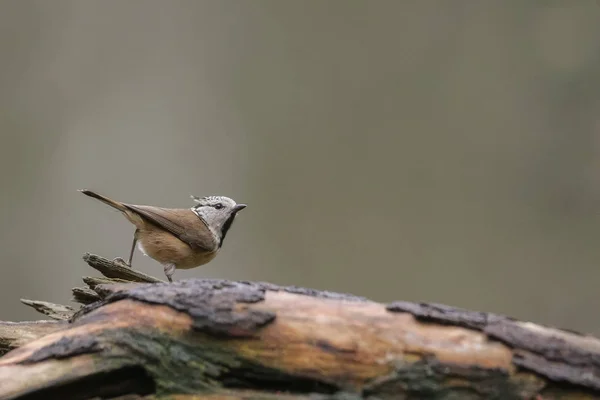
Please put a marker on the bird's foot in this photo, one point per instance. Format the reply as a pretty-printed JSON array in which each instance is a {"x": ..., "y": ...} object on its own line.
[
  {"x": 121, "y": 262},
  {"x": 169, "y": 270}
]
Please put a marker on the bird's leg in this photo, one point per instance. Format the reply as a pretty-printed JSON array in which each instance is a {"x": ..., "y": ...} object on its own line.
[
  {"x": 169, "y": 270},
  {"x": 135, "y": 239},
  {"x": 120, "y": 261}
]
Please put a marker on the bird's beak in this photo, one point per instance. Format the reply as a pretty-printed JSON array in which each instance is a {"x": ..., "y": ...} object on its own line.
[{"x": 239, "y": 207}]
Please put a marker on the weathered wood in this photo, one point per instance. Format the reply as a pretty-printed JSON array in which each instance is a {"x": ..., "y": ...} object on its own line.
[
  {"x": 54, "y": 311},
  {"x": 93, "y": 281},
  {"x": 111, "y": 269},
  {"x": 85, "y": 295},
  {"x": 231, "y": 340},
  {"x": 16, "y": 334}
]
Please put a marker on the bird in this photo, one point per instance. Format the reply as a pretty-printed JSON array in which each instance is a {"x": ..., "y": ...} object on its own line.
[{"x": 178, "y": 238}]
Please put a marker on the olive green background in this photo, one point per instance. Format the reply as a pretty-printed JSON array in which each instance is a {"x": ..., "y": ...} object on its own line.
[{"x": 444, "y": 151}]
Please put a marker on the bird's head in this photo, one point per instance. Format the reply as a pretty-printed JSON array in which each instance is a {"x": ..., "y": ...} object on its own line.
[{"x": 218, "y": 212}]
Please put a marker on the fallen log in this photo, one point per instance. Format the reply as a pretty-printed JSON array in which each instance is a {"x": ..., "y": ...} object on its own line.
[{"x": 200, "y": 338}]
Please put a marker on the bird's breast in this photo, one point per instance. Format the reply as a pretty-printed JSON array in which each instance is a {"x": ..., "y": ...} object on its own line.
[{"x": 165, "y": 248}]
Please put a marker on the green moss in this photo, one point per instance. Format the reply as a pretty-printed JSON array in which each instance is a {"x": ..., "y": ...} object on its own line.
[{"x": 428, "y": 379}]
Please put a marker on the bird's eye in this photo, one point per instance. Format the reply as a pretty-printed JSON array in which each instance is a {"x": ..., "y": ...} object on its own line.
[{"x": 218, "y": 206}]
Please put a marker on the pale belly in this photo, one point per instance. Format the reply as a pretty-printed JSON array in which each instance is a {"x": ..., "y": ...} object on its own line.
[
  {"x": 196, "y": 260},
  {"x": 172, "y": 251}
]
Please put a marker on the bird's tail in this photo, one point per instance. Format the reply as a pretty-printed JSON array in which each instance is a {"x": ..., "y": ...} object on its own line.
[{"x": 106, "y": 200}]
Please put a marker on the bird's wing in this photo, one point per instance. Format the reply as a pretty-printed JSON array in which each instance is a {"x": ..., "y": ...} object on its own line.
[{"x": 181, "y": 222}]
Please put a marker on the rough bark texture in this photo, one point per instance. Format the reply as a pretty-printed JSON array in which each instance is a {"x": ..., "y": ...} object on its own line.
[
  {"x": 16, "y": 334},
  {"x": 220, "y": 339},
  {"x": 54, "y": 311}
]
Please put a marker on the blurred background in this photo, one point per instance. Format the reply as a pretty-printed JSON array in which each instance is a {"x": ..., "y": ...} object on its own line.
[{"x": 400, "y": 150}]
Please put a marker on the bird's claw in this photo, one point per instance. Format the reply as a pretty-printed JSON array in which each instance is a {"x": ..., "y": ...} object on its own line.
[{"x": 120, "y": 261}]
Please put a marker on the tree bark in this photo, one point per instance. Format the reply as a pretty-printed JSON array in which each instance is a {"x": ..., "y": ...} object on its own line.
[{"x": 227, "y": 340}]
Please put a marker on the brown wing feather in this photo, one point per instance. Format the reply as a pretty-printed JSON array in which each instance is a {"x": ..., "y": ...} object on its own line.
[{"x": 181, "y": 222}]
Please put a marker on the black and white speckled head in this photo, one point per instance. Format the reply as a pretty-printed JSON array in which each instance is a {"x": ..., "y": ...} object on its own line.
[{"x": 218, "y": 212}]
